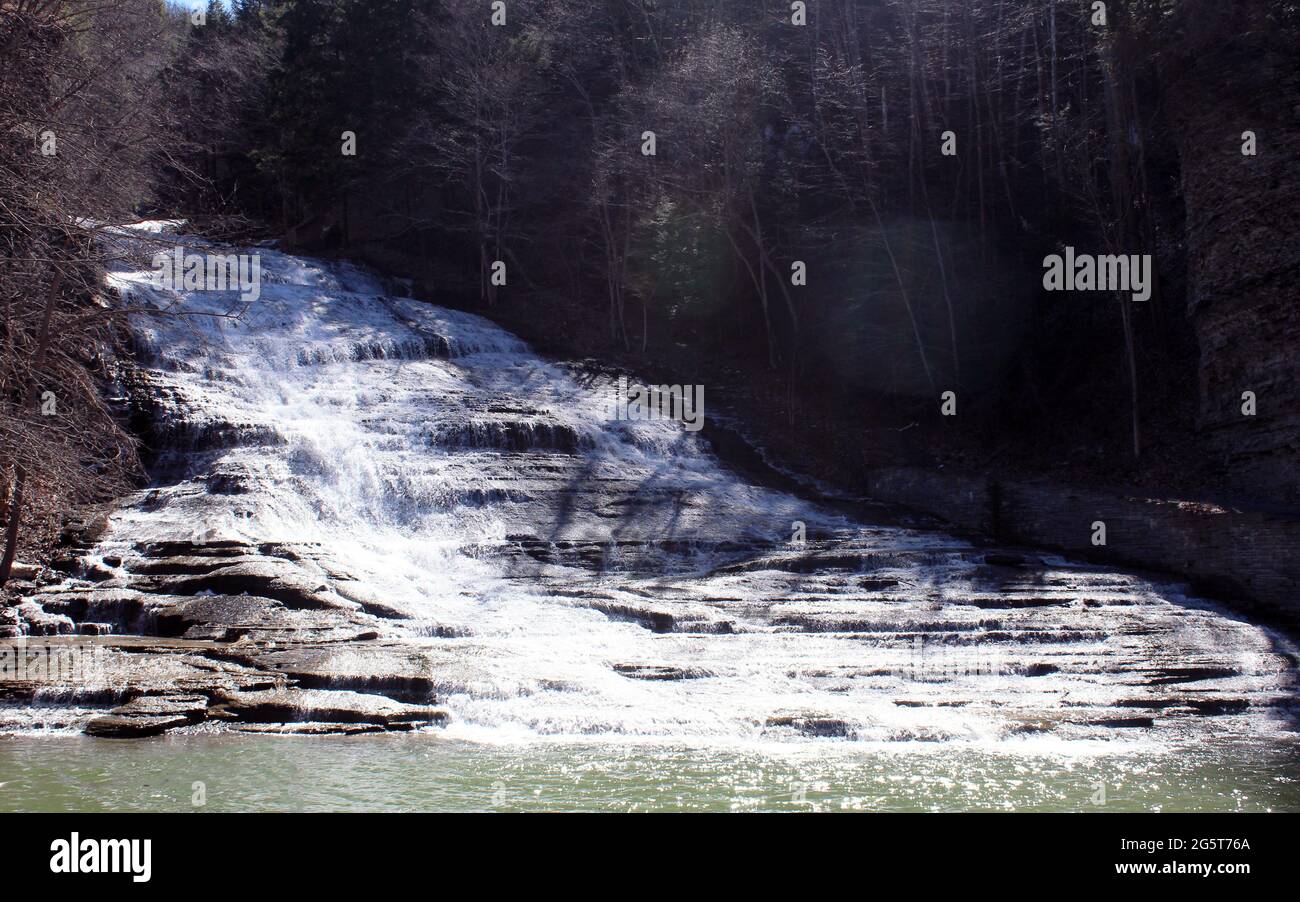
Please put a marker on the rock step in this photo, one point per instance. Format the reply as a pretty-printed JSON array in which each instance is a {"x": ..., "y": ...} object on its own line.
[
  {"x": 422, "y": 347},
  {"x": 329, "y": 706},
  {"x": 149, "y": 716},
  {"x": 507, "y": 435}
]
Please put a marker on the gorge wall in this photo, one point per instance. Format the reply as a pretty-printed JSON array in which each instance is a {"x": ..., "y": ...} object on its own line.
[
  {"x": 1249, "y": 556},
  {"x": 1233, "y": 72}
]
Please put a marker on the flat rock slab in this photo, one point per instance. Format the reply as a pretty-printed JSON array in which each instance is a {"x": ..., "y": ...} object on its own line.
[
  {"x": 213, "y": 548},
  {"x": 113, "y": 726},
  {"x": 271, "y": 578},
  {"x": 811, "y": 724},
  {"x": 190, "y": 565},
  {"x": 397, "y": 670},
  {"x": 311, "y": 729},
  {"x": 660, "y": 672},
  {"x": 149, "y": 716},
  {"x": 228, "y": 618},
  {"x": 327, "y": 706},
  {"x": 108, "y": 670}
]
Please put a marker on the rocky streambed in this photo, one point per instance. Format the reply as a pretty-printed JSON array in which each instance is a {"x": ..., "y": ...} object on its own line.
[
  {"x": 246, "y": 636},
  {"x": 370, "y": 514}
]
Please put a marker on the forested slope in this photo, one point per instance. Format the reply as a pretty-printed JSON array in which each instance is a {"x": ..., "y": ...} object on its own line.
[{"x": 832, "y": 213}]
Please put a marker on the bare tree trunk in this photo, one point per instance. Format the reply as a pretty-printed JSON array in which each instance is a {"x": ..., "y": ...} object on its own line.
[
  {"x": 1116, "y": 222},
  {"x": 20, "y": 475},
  {"x": 762, "y": 295},
  {"x": 1126, "y": 316},
  {"x": 11, "y": 529},
  {"x": 973, "y": 50},
  {"x": 947, "y": 297},
  {"x": 1056, "y": 101}
]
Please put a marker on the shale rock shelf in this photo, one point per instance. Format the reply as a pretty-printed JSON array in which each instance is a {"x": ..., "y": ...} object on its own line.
[{"x": 371, "y": 514}]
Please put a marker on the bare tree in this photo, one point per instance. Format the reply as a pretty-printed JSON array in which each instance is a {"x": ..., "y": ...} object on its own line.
[{"x": 79, "y": 128}]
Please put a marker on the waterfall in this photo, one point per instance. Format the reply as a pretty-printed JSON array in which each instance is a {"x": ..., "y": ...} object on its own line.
[{"x": 573, "y": 574}]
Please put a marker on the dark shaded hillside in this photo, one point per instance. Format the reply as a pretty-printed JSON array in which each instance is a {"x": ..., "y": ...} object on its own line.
[
  {"x": 828, "y": 215},
  {"x": 824, "y": 144}
]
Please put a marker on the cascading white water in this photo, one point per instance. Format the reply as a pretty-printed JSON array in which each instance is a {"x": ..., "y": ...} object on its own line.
[{"x": 582, "y": 577}]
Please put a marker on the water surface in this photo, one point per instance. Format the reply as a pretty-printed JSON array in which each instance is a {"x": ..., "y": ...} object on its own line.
[{"x": 429, "y": 773}]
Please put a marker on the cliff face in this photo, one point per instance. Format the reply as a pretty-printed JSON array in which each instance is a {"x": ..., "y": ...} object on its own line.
[{"x": 1234, "y": 70}]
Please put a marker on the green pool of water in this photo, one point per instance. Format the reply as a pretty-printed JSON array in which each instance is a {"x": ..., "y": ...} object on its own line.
[{"x": 427, "y": 772}]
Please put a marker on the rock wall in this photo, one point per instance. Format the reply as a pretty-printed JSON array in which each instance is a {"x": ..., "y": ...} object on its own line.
[
  {"x": 1248, "y": 557},
  {"x": 1234, "y": 68}
]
